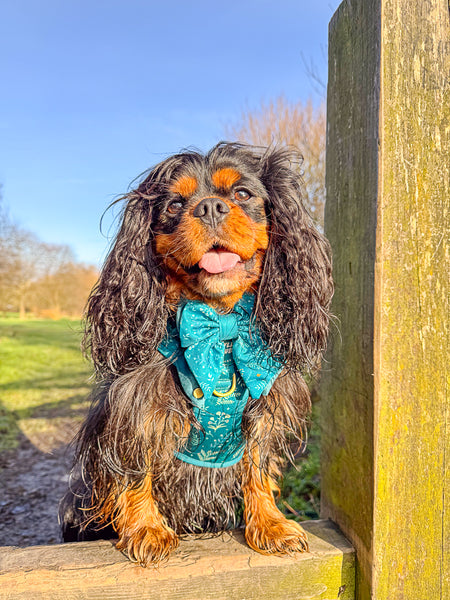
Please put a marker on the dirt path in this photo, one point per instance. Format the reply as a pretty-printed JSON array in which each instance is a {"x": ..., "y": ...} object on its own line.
[{"x": 33, "y": 478}]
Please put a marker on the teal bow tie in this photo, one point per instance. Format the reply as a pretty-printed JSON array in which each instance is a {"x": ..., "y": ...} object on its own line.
[{"x": 202, "y": 333}]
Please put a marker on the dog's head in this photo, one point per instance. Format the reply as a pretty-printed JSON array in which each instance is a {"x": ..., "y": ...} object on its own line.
[{"x": 211, "y": 227}]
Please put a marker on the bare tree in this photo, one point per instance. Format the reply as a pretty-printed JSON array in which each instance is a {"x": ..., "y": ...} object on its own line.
[
  {"x": 298, "y": 124},
  {"x": 64, "y": 291},
  {"x": 38, "y": 276},
  {"x": 44, "y": 291},
  {"x": 15, "y": 276},
  {"x": 23, "y": 266}
]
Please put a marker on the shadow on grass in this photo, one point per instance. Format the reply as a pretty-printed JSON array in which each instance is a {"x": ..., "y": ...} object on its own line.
[
  {"x": 66, "y": 335},
  {"x": 59, "y": 379},
  {"x": 11, "y": 434},
  {"x": 61, "y": 408}
]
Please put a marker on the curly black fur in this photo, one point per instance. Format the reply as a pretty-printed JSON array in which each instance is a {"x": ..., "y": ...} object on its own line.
[{"x": 140, "y": 415}]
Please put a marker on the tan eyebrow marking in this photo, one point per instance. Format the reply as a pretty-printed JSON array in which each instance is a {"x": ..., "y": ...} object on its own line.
[
  {"x": 185, "y": 186},
  {"x": 225, "y": 178}
]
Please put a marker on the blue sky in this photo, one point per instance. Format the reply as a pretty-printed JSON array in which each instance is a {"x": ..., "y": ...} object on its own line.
[{"x": 95, "y": 92}]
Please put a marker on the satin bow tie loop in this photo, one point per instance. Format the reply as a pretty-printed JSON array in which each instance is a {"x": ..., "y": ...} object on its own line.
[{"x": 202, "y": 334}]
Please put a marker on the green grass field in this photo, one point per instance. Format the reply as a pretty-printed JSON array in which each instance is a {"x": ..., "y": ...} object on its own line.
[
  {"x": 43, "y": 378},
  {"x": 42, "y": 375}
]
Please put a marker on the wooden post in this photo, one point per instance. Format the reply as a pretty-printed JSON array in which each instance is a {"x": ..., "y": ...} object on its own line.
[{"x": 385, "y": 462}]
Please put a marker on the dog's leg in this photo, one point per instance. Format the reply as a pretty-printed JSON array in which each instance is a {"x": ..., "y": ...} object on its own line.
[
  {"x": 267, "y": 530},
  {"x": 143, "y": 532}
]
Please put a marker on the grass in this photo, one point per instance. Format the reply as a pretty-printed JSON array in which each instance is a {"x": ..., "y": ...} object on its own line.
[
  {"x": 300, "y": 486},
  {"x": 42, "y": 374}
]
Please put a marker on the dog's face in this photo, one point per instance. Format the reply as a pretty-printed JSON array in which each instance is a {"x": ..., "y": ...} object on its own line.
[{"x": 211, "y": 231}]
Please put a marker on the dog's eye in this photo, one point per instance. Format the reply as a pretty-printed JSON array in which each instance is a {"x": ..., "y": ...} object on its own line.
[
  {"x": 174, "y": 207},
  {"x": 241, "y": 195}
]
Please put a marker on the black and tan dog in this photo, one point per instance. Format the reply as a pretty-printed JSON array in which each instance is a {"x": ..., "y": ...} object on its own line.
[{"x": 211, "y": 304}]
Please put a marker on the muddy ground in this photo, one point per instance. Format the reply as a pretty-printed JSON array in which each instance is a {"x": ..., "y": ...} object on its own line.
[{"x": 33, "y": 478}]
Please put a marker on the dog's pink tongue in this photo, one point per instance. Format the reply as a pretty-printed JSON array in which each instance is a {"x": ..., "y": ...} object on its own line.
[{"x": 218, "y": 261}]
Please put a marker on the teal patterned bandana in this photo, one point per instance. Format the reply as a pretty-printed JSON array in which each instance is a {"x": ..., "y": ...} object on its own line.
[{"x": 221, "y": 360}]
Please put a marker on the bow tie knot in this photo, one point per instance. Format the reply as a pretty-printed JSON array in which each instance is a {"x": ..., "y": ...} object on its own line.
[
  {"x": 202, "y": 333},
  {"x": 228, "y": 327}
]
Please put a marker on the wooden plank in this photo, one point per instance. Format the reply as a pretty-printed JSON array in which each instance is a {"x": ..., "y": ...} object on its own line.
[
  {"x": 216, "y": 568},
  {"x": 385, "y": 388}
]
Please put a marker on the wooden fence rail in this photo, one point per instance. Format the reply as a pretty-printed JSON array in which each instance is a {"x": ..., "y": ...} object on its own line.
[{"x": 222, "y": 568}]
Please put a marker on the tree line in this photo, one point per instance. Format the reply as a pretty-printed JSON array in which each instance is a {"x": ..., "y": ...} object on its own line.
[{"x": 40, "y": 278}]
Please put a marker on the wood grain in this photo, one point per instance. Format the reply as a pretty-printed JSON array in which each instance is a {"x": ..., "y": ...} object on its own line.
[{"x": 216, "y": 568}]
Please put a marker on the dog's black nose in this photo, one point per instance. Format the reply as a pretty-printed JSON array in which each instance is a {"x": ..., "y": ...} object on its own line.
[{"x": 211, "y": 211}]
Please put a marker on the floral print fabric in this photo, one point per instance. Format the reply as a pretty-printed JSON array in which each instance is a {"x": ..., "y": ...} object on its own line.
[{"x": 213, "y": 354}]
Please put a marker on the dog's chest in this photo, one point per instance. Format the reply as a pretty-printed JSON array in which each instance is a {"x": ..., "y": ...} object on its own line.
[{"x": 219, "y": 442}]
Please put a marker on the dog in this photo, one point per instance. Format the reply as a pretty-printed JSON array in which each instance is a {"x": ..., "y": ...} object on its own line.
[{"x": 210, "y": 308}]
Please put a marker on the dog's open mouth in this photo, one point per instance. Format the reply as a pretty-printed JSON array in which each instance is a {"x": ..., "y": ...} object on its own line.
[{"x": 218, "y": 260}]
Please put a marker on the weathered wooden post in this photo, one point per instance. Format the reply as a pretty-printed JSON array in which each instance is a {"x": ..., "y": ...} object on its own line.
[{"x": 386, "y": 471}]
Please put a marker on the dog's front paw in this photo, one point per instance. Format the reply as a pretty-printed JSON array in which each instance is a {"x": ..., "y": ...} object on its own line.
[
  {"x": 148, "y": 545},
  {"x": 278, "y": 536}
]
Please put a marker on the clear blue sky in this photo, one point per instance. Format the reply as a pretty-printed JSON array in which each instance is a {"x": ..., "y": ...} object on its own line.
[{"x": 95, "y": 92}]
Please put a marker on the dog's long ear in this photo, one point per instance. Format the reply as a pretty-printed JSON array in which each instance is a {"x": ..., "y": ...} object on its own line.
[
  {"x": 296, "y": 285},
  {"x": 126, "y": 313}
]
